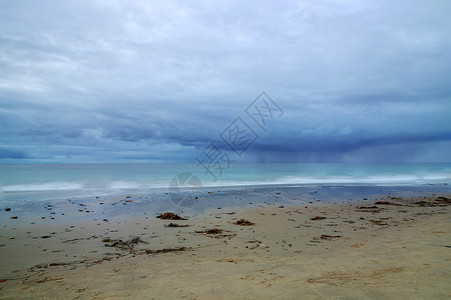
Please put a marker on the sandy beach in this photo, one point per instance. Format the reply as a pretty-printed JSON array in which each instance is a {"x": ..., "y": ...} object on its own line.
[
  {"x": 225, "y": 150},
  {"x": 383, "y": 247}
]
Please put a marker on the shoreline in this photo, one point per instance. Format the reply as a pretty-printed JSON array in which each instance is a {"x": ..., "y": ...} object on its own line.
[
  {"x": 289, "y": 252},
  {"x": 17, "y": 196}
]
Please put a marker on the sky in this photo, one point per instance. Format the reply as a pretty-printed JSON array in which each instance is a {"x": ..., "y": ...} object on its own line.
[{"x": 160, "y": 81}]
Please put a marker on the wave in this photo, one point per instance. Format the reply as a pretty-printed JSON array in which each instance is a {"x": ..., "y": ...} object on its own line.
[
  {"x": 337, "y": 180},
  {"x": 50, "y": 186},
  {"x": 72, "y": 186},
  {"x": 388, "y": 179},
  {"x": 117, "y": 186}
]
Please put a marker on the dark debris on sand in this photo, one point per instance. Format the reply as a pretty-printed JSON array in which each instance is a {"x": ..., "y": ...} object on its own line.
[
  {"x": 379, "y": 222},
  {"x": 318, "y": 218},
  {"x": 216, "y": 233},
  {"x": 244, "y": 222},
  {"x": 439, "y": 201},
  {"x": 210, "y": 231},
  {"x": 120, "y": 244},
  {"x": 327, "y": 237},
  {"x": 387, "y": 203},
  {"x": 129, "y": 244},
  {"x": 165, "y": 250},
  {"x": 371, "y": 209},
  {"x": 443, "y": 200},
  {"x": 175, "y": 225},
  {"x": 170, "y": 216}
]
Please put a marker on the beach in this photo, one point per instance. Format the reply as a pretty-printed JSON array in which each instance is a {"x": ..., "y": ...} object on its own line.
[
  {"x": 283, "y": 244},
  {"x": 225, "y": 150}
]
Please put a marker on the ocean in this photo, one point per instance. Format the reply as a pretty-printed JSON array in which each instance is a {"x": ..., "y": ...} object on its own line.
[{"x": 57, "y": 181}]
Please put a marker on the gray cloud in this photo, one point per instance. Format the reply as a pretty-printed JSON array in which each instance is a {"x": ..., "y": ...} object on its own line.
[{"x": 87, "y": 81}]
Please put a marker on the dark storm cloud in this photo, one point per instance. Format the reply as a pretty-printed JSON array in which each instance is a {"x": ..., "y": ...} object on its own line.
[{"x": 87, "y": 81}]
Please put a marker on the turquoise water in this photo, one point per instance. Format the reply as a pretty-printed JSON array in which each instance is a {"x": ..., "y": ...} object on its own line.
[{"x": 47, "y": 181}]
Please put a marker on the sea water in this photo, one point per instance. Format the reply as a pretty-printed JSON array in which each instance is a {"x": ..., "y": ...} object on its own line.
[{"x": 56, "y": 181}]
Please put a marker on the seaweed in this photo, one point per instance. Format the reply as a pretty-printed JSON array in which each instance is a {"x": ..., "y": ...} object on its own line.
[
  {"x": 170, "y": 216},
  {"x": 387, "y": 203},
  {"x": 371, "y": 209},
  {"x": 318, "y": 218},
  {"x": 216, "y": 233},
  {"x": 210, "y": 231},
  {"x": 175, "y": 225},
  {"x": 439, "y": 201},
  {"x": 424, "y": 203},
  {"x": 244, "y": 222},
  {"x": 327, "y": 237},
  {"x": 120, "y": 244},
  {"x": 379, "y": 222},
  {"x": 443, "y": 201},
  {"x": 165, "y": 250}
]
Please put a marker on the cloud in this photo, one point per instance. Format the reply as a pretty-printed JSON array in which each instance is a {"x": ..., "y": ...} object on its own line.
[
  {"x": 14, "y": 154},
  {"x": 158, "y": 81}
]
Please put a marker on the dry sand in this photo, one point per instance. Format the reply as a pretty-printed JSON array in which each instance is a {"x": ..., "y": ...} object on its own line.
[{"x": 356, "y": 252}]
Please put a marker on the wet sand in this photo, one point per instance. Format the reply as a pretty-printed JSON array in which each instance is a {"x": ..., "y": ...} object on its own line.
[{"x": 398, "y": 248}]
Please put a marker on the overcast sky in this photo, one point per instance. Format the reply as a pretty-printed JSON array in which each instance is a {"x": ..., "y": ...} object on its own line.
[{"x": 157, "y": 81}]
